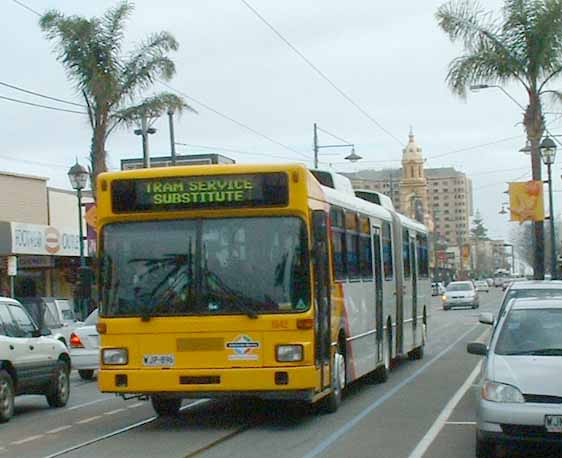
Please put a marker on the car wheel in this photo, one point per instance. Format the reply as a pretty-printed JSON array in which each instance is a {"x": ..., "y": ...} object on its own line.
[
  {"x": 7, "y": 395},
  {"x": 485, "y": 449},
  {"x": 59, "y": 391},
  {"x": 446, "y": 308},
  {"x": 333, "y": 400},
  {"x": 166, "y": 407},
  {"x": 86, "y": 374}
]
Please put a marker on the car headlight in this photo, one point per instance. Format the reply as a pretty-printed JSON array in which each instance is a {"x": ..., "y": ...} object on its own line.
[
  {"x": 444, "y": 298},
  {"x": 289, "y": 353},
  {"x": 501, "y": 392},
  {"x": 115, "y": 356}
]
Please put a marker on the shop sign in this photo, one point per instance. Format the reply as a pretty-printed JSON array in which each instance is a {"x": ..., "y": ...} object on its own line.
[
  {"x": 36, "y": 239},
  {"x": 35, "y": 262}
]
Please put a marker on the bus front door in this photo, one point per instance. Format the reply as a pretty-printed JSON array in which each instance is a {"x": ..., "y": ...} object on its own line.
[
  {"x": 378, "y": 293},
  {"x": 322, "y": 296}
]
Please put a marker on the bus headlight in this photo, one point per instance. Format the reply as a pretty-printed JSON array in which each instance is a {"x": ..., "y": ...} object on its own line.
[
  {"x": 289, "y": 353},
  {"x": 115, "y": 356}
]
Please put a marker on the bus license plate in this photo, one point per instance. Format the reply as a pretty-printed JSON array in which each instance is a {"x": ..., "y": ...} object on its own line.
[
  {"x": 159, "y": 360},
  {"x": 553, "y": 423}
]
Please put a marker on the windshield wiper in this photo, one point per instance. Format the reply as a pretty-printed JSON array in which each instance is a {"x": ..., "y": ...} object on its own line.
[
  {"x": 235, "y": 297},
  {"x": 538, "y": 352}
]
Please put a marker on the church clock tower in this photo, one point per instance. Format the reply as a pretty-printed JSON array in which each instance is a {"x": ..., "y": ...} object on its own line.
[{"x": 413, "y": 186}]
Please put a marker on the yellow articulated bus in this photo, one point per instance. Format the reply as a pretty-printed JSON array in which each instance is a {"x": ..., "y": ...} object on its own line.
[{"x": 267, "y": 281}]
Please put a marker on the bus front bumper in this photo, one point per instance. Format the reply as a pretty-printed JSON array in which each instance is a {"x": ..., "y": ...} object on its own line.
[{"x": 267, "y": 383}]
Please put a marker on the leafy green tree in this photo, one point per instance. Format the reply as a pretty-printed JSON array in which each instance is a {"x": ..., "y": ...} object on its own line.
[
  {"x": 111, "y": 81},
  {"x": 523, "y": 45},
  {"x": 478, "y": 230}
]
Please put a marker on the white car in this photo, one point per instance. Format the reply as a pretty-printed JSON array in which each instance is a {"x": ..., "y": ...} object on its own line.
[
  {"x": 53, "y": 313},
  {"x": 482, "y": 285},
  {"x": 520, "y": 395},
  {"x": 85, "y": 347},
  {"x": 31, "y": 360},
  {"x": 460, "y": 294}
]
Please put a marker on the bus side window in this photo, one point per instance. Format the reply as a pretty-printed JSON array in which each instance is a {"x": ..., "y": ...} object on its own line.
[
  {"x": 338, "y": 243},
  {"x": 406, "y": 253},
  {"x": 387, "y": 252},
  {"x": 423, "y": 256},
  {"x": 365, "y": 249},
  {"x": 352, "y": 238}
]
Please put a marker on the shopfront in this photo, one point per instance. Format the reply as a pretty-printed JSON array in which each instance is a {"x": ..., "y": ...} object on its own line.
[{"x": 43, "y": 258}]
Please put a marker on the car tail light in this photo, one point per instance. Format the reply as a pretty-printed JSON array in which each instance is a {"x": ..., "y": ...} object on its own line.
[{"x": 75, "y": 341}]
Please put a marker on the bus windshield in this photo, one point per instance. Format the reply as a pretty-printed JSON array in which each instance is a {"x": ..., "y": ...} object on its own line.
[{"x": 205, "y": 267}]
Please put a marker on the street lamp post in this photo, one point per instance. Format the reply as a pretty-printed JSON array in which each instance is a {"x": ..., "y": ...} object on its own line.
[
  {"x": 78, "y": 176},
  {"x": 533, "y": 146},
  {"x": 353, "y": 157},
  {"x": 548, "y": 156}
]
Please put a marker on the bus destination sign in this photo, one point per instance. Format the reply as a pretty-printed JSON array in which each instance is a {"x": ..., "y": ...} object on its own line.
[{"x": 200, "y": 192}]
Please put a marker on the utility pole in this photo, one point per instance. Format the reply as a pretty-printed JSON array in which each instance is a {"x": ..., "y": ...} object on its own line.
[
  {"x": 144, "y": 131},
  {"x": 172, "y": 137},
  {"x": 145, "y": 152},
  {"x": 315, "y": 146}
]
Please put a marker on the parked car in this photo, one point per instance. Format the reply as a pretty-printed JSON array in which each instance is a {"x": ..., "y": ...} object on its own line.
[
  {"x": 31, "y": 361},
  {"x": 520, "y": 392},
  {"x": 437, "y": 289},
  {"x": 530, "y": 289},
  {"x": 53, "y": 313},
  {"x": 482, "y": 285},
  {"x": 460, "y": 294},
  {"x": 85, "y": 347}
]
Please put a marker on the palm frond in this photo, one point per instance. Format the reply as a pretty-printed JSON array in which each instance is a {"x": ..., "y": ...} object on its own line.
[
  {"x": 465, "y": 20},
  {"x": 113, "y": 27},
  {"x": 151, "y": 107},
  {"x": 147, "y": 63}
]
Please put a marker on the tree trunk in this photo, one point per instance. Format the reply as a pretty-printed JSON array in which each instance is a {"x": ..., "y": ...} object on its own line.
[
  {"x": 534, "y": 124},
  {"x": 97, "y": 153}
]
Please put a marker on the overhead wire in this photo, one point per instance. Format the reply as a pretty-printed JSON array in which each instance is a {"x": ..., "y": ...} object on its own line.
[
  {"x": 28, "y": 8},
  {"x": 333, "y": 136},
  {"x": 48, "y": 107},
  {"x": 231, "y": 119},
  {"x": 230, "y": 150},
  {"x": 38, "y": 94},
  {"x": 206, "y": 106},
  {"x": 320, "y": 72}
]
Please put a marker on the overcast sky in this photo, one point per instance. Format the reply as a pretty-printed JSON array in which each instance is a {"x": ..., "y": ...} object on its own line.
[{"x": 390, "y": 57}]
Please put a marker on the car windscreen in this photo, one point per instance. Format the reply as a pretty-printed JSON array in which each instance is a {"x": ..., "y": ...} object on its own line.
[
  {"x": 531, "y": 332},
  {"x": 205, "y": 267},
  {"x": 459, "y": 287},
  {"x": 92, "y": 318}
]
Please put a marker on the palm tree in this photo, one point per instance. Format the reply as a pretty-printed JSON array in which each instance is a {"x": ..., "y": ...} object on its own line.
[
  {"x": 111, "y": 81},
  {"x": 523, "y": 45}
]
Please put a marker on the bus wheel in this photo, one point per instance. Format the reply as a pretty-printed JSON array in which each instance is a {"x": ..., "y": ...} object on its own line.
[
  {"x": 166, "y": 407},
  {"x": 333, "y": 400}
]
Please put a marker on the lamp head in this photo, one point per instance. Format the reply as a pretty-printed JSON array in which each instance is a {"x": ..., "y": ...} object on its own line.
[
  {"x": 353, "y": 157},
  {"x": 548, "y": 150},
  {"x": 78, "y": 176}
]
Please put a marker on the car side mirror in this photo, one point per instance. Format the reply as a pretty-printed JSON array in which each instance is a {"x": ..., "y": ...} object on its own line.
[
  {"x": 477, "y": 348},
  {"x": 36, "y": 333},
  {"x": 486, "y": 318}
]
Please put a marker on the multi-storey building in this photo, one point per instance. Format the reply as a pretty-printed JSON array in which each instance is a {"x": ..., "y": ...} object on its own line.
[{"x": 448, "y": 192}]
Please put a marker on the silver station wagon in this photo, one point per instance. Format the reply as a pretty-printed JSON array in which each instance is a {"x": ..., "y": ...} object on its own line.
[{"x": 521, "y": 385}]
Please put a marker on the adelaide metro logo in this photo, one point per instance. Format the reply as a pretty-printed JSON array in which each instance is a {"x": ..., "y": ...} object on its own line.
[
  {"x": 52, "y": 240},
  {"x": 243, "y": 347}
]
